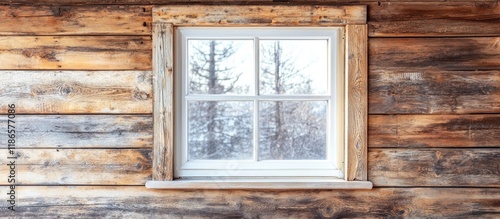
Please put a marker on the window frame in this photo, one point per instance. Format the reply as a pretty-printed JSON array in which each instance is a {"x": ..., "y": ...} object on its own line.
[
  {"x": 329, "y": 167},
  {"x": 352, "y": 18}
]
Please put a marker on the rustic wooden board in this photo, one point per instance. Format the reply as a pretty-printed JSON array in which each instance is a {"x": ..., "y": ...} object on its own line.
[
  {"x": 425, "y": 54},
  {"x": 75, "y": 52},
  {"x": 66, "y": 92},
  {"x": 271, "y": 15},
  {"x": 477, "y": 167},
  {"x": 133, "y": 2},
  {"x": 232, "y": 2},
  {"x": 79, "y": 166},
  {"x": 75, "y": 20},
  {"x": 139, "y": 202},
  {"x": 81, "y": 131},
  {"x": 434, "y": 92},
  {"x": 357, "y": 102},
  {"x": 434, "y": 19},
  {"x": 434, "y": 75},
  {"x": 163, "y": 86},
  {"x": 434, "y": 131}
]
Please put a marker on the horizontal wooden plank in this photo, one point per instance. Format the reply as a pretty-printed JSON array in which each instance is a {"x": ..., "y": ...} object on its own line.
[
  {"x": 443, "y": 54},
  {"x": 434, "y": 131},
  {"x": 80, "y": 131},
  {"x": 478, "y": 167},
  {"x": 75, "y": 20},
  {"x": 271, "y": 15},
  {"x": 139, "y": 202},
  {"x": 64, "y": 92},
  {"x": 434, "y": 19},
  {"x": 233, "y": 2},
  {"x": 434, "y": 92},
  {"x": 434, "y": 75},
  {"x": 75, "y": 52},
  {"x": 79, "y": 166},
  {"x": 130, "y": 2}
]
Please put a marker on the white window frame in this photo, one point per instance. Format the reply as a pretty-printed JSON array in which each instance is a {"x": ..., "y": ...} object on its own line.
[
  {"x": 331, "y": 167},
  {"x": 352, "y": 18}
]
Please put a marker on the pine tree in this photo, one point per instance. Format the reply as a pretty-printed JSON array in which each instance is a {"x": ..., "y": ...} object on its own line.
[
  {"x": 218, "y": 130},
  {"x": 289, "y": 129}
]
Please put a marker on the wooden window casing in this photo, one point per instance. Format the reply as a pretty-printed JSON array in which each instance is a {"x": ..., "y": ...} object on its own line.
[{"x": 353, "y": 18}]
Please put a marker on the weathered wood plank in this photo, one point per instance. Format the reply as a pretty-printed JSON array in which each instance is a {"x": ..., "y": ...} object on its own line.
[
  {"x": 81, "y": 131},
  {"x": 80, "y": 166},
  {"x": 434, "y": 131},
  {"x": 434, "y": 92},
  {"x": 357, "y": 101},
  {"x": 434, "y": 19},
  {"x": 434, "y": 75},
  {"x": 445, "y": 54},
  {"x": 163, "y": 144},
  {"x": 238, "y": 15},
  {"x": 139, "y": 202},
  {"x": 63, "y": 92},
  {"x": 131, "y": 2},
  {"x": 75, "y": 52},
  {"x": 75, "y": 20},
  {"x": 232, "y": 2},
  {"x": 478, "y": 167}
]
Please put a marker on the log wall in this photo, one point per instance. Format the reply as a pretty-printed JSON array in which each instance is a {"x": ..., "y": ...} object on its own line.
[{"x": 79, "y": 73}]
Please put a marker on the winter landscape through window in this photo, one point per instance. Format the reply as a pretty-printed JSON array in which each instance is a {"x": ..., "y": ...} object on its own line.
[{"x": 259, "y": 102}]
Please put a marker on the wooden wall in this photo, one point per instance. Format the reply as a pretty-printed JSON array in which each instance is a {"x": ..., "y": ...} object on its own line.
[{"x": 80, "y": 76}]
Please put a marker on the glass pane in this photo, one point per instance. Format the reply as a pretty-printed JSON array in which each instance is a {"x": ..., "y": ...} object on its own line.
[
  {"x": 292, "y": 130},
  {"x": 220, "y": 66},
  {"x": 220, "y": 130},
  {"x": 293, "y": 66}
]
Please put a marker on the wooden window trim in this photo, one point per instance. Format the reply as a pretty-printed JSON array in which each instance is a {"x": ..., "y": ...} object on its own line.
[{"x": 353, "y": 18}]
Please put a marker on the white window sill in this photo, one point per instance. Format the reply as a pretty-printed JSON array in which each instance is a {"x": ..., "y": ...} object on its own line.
[{"x": 273, "y": 184}]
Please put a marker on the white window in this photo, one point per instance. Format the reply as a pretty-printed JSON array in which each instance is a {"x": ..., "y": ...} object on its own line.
[
  {"x": 260, "y": 97},
  {"x": 259, "y": 102}
]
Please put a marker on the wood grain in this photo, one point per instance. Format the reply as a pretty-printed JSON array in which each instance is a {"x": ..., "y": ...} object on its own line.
[
  {"x": 421, "y": 91},
  {"x": 80, "y": 166},
  {"x": 417, "y": 131},
  {"x": 68, "y": 92},
  {"x": 271, "y": 15},
  {"x": 434, "y": 75},
  {"x": 75, "y": 52},
  {"x": 231, "y": 2},
  {"x": 478, "y": 167},
  {"x": 75, "y": 20},
  {"x": 163, "y": 86},
  {"x": 81, "y": 131},
  {"x": 434, "y": 19},
  {"x": 131, "y": 2},
  {"x": 139, "y": 202},
  {"x": 438, "y": 54},
  {"x": 356, "y": 93}
]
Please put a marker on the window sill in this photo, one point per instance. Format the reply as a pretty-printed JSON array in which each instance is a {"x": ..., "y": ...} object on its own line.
[{"x": 272, "y": 184}]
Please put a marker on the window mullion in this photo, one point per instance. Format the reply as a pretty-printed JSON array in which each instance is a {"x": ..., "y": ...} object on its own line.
[{"x": 256, "y": 101}]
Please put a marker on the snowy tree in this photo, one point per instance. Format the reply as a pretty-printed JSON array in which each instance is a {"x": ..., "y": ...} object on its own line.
[
  {"x": 289, "y": 130},
  {"x": 217, "y": 129}
]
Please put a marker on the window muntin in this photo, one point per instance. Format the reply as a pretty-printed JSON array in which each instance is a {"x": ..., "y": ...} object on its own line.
[{"x": 252, "y": 99}]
